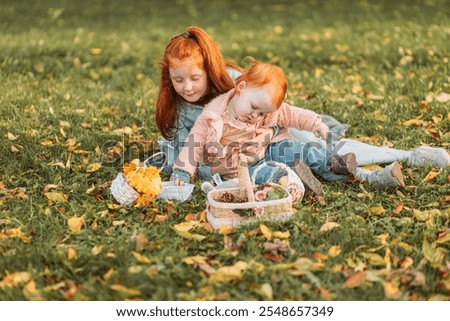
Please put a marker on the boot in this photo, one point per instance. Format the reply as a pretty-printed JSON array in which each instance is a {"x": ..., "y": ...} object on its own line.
[
  {"x": 343, "y": 165},
  {"x": 307, "y": 177},
  {"x": 436, "y": 156},
  {"x": 390, "y": 176}
]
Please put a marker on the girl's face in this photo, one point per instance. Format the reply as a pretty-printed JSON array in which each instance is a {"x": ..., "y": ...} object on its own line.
[
  {"x": 189, "y": 81},
  {"x": 251, "y": 104}
]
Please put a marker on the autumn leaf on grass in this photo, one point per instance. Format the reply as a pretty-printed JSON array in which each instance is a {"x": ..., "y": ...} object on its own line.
[
  {"x": 377, "y": 210},
  {"x": 434, "y": 255},
  {"x": 141, "y": 258},
  {"x": 124, "y": 290},
  {"x": 183, "y": 229},
  {"x": 229, "y": 273},
  {"x": 54, "y": 197},
  {"x": 265, "y": 290},
  {"x": 391, "y": 290},
  {"x": 268, "y": 234},
  {"x": 71, "y": 253},
  {"x": 334, "y": 250},
  {"x": 355, "y": 280},
  {"x": 93, "y": 167},
  {"x": 443, "y": 237},
  {"x": 75, "y": 224},
  {"x": 427, "y": 216},
  {"x": 431, "y": 175},
  {"x": 15, "y": 279},
  {"x": 329, "y": 226},
  {"x": 14, "y": 233},
  {"x": 413, "y": 122}
]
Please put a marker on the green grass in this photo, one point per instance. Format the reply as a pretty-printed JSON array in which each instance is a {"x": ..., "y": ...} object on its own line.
[{"x": 343, "y": 58}]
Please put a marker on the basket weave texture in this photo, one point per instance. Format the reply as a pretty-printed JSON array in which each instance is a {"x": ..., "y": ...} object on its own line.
[
  {"x": 122, "y": 191},
  {"x": 232, "y": 214}
]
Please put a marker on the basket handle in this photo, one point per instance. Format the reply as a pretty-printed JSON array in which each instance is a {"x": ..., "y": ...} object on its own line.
[
  {"x": 154, "y": 156},
  {"x": 245, "y": 183}
]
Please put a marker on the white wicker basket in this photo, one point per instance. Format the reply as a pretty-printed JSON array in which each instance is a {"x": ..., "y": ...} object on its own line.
[
  {"x": 180, "y": 193},
  {"x": 235, "y": 213},
  {"x": 122, "y": 192}
]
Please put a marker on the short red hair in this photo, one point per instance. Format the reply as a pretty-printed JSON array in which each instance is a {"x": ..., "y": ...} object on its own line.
[{"x": 260, "y": 74}]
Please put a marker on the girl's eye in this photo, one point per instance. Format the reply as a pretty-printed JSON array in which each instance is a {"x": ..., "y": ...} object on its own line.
[{"x": 195, "y": 78}]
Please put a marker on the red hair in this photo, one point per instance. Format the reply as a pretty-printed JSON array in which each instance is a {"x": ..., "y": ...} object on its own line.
[
  {"x": 260, "y": 74},
  {"x": 197, "y": 45}
]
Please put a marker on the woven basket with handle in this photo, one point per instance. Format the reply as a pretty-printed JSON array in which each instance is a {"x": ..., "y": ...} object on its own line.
[{"x": 220, "y": 212}]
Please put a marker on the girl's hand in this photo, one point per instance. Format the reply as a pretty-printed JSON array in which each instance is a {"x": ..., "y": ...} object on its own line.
[
  {"x": 179, "y": 177},
  {"x": 321, "y": 131},
  {"x": 178, "y": 182}
]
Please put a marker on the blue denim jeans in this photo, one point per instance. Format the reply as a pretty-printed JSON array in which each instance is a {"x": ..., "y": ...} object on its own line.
[{"x": 287, "y": 152}]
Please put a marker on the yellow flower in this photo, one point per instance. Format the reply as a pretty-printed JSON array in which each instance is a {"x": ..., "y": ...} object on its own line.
[{"x": 145, "y": 180}]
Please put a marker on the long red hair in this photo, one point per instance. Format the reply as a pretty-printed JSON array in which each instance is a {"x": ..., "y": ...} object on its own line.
[
  {"x": 196, "y": 44},
  {"x": 260, "y": 74}
]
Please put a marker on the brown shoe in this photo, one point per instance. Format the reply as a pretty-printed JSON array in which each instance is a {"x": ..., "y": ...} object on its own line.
[
  {"x": 343, "y": 165},
  {"x": 307, "y": 177}
]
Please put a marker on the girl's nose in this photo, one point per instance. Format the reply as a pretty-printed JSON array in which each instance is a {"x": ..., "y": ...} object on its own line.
[{"x": 188, "y": 86}]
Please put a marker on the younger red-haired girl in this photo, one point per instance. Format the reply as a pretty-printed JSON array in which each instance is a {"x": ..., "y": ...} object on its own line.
[{"x": 244, "y": 121}]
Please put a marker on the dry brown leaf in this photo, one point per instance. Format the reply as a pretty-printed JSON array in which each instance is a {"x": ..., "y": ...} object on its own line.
[
  {"x": 141, "y": 241},
  {"x": 355, "y": 280}
]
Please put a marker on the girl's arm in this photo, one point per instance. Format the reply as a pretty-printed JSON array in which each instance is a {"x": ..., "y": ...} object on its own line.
[
  {"x": 191, "y": 153},
  {"x": 301, "y": 118}
]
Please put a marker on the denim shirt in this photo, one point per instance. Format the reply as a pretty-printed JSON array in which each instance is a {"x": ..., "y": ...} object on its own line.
[{"x": 187, "y": 115}]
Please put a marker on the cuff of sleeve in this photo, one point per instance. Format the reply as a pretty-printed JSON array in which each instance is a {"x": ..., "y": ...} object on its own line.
[{"x": 204, "y": 173}]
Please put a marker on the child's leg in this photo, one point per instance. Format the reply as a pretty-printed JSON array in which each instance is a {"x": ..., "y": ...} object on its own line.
[
  {"x": 312, "y": 154},
  {"x": 365, "y": 154},
  {"x": 369, "y": 154},
  {"x": 261, "y": 172}
]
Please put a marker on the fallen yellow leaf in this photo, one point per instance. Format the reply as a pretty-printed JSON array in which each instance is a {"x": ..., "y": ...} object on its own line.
[
  {"x": 281, "y": 235},
  {"x": 430, "y": 176},
  {"x": 328, "y": 226},
  {"x": 14, "y": 279},
  {"x": 71, "y": 253},
  {"x": 377, "y": 210},
  {"x": 391, "y": 290},
  {"x": 334, "y": 250},
  {"x": 125, "y": 290},
  {"x": 93, "y": 167},
  {"x": 265, "y": 231},
  {"x": 141, "y": 258},
  {"x": 75, "y": 223}
]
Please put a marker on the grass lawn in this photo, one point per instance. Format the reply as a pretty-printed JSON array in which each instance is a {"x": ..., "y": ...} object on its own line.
[{"x": 79, "y": 85}]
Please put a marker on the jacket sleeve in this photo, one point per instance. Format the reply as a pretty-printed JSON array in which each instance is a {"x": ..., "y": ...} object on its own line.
[
  {"x": 191, "y": 153},
  {"x": 296, "y": 117}
]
